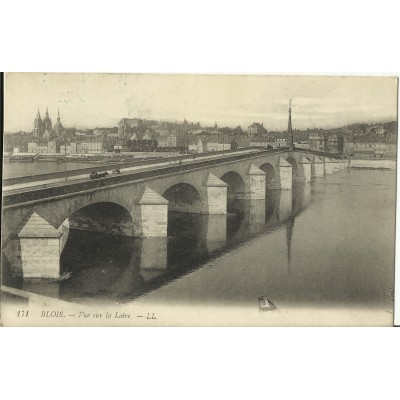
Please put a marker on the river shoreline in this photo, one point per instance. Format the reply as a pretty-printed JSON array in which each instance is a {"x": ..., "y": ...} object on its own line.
[{"x": 374, "y": 164}]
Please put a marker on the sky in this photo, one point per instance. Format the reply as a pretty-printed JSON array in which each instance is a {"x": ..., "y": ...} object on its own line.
[{"x": 101, "y": 100}]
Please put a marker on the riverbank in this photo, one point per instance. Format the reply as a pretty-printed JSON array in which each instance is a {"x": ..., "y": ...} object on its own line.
[{"x": 374, "y": 164}]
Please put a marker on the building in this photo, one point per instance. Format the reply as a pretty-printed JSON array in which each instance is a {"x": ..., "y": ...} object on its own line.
[
  {"x": 70, "y": 148},
  {"x": 125, "y": 124},
  {"x": 262, "y": 144},
  {"x": 53, "y": 147},
  {"x": 37, "y": 125},
  {"x": 281, "y": 142},
  {"x": 171, "y": 141},
  {"x": 91, "y": 147},
  {"x": 317, "y": 142},
  {"x": 35, "y": 147},
  {"x": 256, "y": 129},
  {"x": 196, "y": 147},
  {"x": 47, "y": 125},
  {"x": 212, "y": 146},
  {"x": 161, "y": 132},
  {"x": 58, "y": 127},
  {"x": 348, "y": 148},
  {"x": 43, "y": 147},
  {"x": 98, "y": 131},
  {"x": 367, "y": 149},
  {"x": 302, "y": 144},
  {"x": 83, "y": 132},
  {"x": 42, "y": 126}
]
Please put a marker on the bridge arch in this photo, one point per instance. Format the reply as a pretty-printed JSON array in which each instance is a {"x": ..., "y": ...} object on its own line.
[
  {"x": 270, "y": 174},
  {"x": 183, "y": 197},
  {"x": 103, "y": 216},
  {"x": 236, "y": 185},
  {"x": 293, "y": 162},
  {"x": 96, "y": 241},
  {"x": 56, "y": 213}
]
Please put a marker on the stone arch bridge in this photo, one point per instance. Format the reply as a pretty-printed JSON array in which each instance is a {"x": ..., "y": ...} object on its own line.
[{"x": 37, "y": 218}]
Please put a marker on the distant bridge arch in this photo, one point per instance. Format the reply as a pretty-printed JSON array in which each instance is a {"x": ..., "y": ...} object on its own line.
[
  {"x": 270, "y": 174},
  {"x": 293, "y": 162},
  {"x": 236, "y": 184}
]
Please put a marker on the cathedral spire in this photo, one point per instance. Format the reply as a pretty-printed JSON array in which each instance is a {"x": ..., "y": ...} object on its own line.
[
  {"x": 58, "y": 115},
  {"x": 289, "y": 130}
]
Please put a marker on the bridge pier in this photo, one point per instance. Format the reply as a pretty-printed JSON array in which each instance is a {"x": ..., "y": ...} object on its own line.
[
  {"x": 328, "y": 166},
  {"x": 317, "y": 168},
  {"x": 306, "y": 166},
  {"x": 285, "y": 174},
  {"x": 217, "y": 195},
  {"x": 336, "y": 165},
  {"x": 40, "y": 248},
  {"x": 256, "y": 190},
  {"x": 151, "y": 215}
]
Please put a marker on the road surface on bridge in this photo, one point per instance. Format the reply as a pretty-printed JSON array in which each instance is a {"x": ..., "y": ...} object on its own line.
[{"x": 21, "y": 187}]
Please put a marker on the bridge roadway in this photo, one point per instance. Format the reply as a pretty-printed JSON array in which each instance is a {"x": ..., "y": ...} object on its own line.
[
  {"x": 54, "y": 182},
  {"x": 26, "y": 193}
]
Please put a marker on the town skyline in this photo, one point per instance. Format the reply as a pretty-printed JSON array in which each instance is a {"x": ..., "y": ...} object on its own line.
[{"x": 228, "y": 100}]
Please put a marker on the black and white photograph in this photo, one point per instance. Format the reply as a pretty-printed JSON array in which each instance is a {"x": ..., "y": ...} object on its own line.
[{"x": 198, "y": 200}]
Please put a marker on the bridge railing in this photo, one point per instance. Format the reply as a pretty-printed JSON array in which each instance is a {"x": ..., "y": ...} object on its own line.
[{"x": 12, "y": 199}]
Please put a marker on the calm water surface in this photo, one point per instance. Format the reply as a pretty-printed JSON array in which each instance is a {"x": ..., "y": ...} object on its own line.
[
  {"x": 17, "y": 169},
  {"x": 325, "y": 244}
]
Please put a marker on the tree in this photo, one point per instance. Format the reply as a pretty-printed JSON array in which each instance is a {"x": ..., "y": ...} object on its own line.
[{"x": 234, "y": 144}]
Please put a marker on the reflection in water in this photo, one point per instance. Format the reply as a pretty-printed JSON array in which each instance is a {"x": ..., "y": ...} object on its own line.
[
  {"x": 215, "y": 236},
  {"x": 285, "y": 205},
  {"x": 289, "y": 234},
  {"x": 273, "y": 246},
  {"x": 121, "y": 268}
]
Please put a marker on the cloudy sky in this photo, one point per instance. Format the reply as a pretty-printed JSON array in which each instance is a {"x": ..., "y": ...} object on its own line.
[{"x": 100, "y": 100}]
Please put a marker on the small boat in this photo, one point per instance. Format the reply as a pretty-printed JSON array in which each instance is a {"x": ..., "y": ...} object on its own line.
[{"x": 266, "y": 304}]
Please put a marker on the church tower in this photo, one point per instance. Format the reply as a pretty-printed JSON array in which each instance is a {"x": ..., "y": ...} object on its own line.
[
  {"x": 58, "y": 128},
  {"x": 289, "y": 129},
  {"x": 47, "y": 125},
  {"x": 37, "y": 125}
]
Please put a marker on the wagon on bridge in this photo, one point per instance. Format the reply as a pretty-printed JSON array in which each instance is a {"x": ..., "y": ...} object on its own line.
[{"x": 96, "y": 175}]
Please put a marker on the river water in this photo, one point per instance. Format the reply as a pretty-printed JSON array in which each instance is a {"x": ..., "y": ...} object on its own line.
[
  {"x": 328, "y": 245},
  {"x": 17, "y": 169}
]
